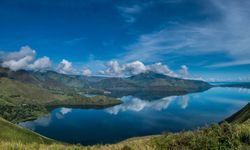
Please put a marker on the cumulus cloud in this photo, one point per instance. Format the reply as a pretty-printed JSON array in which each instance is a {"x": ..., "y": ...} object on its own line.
[
  {"x": 87, "y": 72},
  {"x": 18, "y": 60},
  {"x": 114, "y": 68},
  {"x": 134, "y": 68},
  {"x": 161, "y": 68},
  {"x": 184, "y": 70},
  {"x": 65, "y": 67},
  {"x": 41, "y": 64},
  {"x": 17, "y": 64},
  {"x": 24, "y": 59},
  {"x": 23, "y": 52}
]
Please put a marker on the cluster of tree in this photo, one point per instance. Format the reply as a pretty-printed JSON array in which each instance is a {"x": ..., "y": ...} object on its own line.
[{"x": 21, "y": 112}]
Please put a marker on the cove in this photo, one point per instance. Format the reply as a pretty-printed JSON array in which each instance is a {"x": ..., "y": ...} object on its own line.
[{"x": 140, "y": 117}]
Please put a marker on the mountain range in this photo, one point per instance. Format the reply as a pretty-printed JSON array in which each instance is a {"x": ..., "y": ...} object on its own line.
[{"x": 149, "y": 82}]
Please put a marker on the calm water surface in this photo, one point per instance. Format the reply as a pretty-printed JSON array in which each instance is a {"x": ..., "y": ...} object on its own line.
[{"x": 139, "y": 117}]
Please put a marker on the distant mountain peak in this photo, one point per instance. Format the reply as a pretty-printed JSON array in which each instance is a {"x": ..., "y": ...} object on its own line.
[{"x": 149, "y": 75}]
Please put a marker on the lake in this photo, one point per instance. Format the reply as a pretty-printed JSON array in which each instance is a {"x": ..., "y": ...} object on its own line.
[{"x": 140, "y": 117}]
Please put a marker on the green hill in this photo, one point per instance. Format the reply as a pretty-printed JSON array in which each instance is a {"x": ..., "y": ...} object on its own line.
[
  {"x": 13, "y": 133},
  {"x": 240, "y": 116}
]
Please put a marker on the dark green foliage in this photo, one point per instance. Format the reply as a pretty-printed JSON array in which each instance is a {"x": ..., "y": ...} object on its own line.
[
  {"x": 245, "y": 135},
  {"x": 21, "y": 112},
  {"x": 126, "y": 147},
  {"x": 224, "y": 136}
]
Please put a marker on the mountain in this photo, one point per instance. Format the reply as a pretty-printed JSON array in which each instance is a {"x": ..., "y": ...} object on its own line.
[
  {"x": 28, "y": 95},
  {"x": 151, "y": 83},
  {"x": 148, "y": 81},
  {"x": 144, "y": 85}
]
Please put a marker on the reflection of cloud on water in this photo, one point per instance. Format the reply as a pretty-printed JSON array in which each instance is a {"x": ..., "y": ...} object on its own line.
[
  {"x": 63, "y": 111},
  {"x": 184, "y": 101},
  {"x": 244, "y": 90},
  {"x": 43, "y": 121},
  {"x": 135, "y": 104}
]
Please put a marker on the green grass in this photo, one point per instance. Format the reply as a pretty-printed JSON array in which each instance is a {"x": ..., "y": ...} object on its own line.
[
  {"x": 23, "y": 101},
  {"x": 12, "y": 133},
  {"x": 224, "y": 136}
]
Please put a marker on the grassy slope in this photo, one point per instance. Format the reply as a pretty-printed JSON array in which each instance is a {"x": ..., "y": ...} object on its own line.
[
  {"x": 14, "y": 92},
  {"x": 21, "y": 101},
  {"x": 12, "y": 133}
]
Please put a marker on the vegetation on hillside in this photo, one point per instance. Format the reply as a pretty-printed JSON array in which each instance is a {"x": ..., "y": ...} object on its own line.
[
  {"x": 27, "y": 95},
  {"x": 14, "y": 134}
]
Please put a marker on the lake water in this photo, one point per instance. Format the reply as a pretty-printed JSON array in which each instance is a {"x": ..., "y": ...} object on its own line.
[{"x": 140, "y": 117}]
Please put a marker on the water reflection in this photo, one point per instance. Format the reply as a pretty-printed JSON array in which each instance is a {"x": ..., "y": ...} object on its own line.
[
  {"x": 42, "y": 121},
  {"x": 139, "y": 116},
  {"x": 131, "y": 103},
  {"x": 184, "y": 102},
  {"x": 63, "y": 111}
]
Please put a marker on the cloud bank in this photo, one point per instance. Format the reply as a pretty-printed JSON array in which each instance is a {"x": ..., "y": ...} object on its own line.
[
  {"x": 24, "y": 59},
  {"x": 114, "y": 68}
]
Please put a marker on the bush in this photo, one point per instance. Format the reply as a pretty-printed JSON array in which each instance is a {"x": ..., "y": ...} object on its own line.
[{"x": 224, "y": 136}]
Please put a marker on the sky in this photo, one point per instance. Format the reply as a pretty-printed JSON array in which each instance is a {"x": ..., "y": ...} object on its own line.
[{"x": 199, "y": 39}]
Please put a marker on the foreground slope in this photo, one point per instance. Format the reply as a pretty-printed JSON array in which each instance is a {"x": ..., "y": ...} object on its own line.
[{"x": 13, "y": 133}]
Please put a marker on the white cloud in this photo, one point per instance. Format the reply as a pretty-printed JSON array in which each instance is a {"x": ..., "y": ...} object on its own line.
[
  {"x": 87, "y": 72},
  {"x": 41, "y": 64},
  {"x": 18, "y": 64},
  {"x": 24, "y": 59},
  {"x": 162, "y": 69},
  {"x": 184, "y": 70},
  {"x": 129, "y": 12},
  {"x": 114, "y": 68},
  {"x": 23, "y": 52},
  {"x": 228, "y": 35},
  {"x": 65, "y": 67},
  {"x": 134, "y": 68}
]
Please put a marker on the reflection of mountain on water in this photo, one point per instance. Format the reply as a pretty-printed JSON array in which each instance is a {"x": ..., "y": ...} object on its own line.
[
  {"x": 42, "y": 121},
  {"x": 131, "y": 103},
  {"x": 149, "y": 95}
]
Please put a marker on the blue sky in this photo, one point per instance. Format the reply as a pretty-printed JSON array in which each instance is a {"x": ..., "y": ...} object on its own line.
[{"x": 208, "y": 39}]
